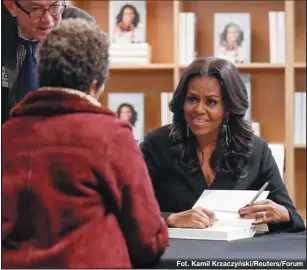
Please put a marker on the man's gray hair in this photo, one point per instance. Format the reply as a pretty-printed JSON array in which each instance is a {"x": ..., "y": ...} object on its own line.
[{"x": 75, "y": 53}]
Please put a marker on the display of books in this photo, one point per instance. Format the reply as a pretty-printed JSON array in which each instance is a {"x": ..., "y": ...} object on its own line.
[
  {"x": 232, "y": 37},
  {"x": 129, "y": 107}
]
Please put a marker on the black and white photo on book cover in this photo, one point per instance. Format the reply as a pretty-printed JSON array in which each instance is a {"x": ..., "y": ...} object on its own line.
[
  {"x": 232, "y": 37},
  {"x": 129, "y": 107},
  {"x": 127, "y": 21}
]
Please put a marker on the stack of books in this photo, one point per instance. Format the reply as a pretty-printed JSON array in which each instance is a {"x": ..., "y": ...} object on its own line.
[
  {"x": 277, "y": 31},
  {"x": 131, "y": 53}
]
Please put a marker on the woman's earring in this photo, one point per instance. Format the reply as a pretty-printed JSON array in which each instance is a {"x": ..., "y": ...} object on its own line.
[
  {"x": 226, "y": 130},
  {"x": 188, "y": 131}
]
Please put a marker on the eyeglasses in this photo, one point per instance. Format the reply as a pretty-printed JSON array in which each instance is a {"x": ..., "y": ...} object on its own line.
[{"x": 55, "y": 9}]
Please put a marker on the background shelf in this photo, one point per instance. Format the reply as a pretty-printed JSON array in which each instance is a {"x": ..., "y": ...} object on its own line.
[{"x": 150, "y": 66}]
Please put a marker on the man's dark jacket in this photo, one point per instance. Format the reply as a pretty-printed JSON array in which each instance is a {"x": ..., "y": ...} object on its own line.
[{"x": 9, "y": 44}]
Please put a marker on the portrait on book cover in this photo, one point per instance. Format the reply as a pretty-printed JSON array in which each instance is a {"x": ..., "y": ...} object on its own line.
[
  {"x": 232, "y": 37},
  {"x": 129, "y": 107},
  {"x": 127, "y": 21}
]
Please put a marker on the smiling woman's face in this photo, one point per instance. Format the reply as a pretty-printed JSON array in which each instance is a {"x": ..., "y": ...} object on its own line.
[
  {"x": 128, "y": 15},
  {"x": 125, "y": 113},
  {"x": 203, "y": 107},
  {"x": 232, "y": 34}
]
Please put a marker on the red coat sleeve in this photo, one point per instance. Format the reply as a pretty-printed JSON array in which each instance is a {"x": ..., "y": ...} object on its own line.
[{"x": 140, "y": 217}]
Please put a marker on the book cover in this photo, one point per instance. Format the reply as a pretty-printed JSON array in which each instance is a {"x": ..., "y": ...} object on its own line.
[
  {"x": 129, "y": 107},
  {"x": 246, "y": 78},
  {"x": 127, "y": 21},
  {"x": 232, "y": 37}
]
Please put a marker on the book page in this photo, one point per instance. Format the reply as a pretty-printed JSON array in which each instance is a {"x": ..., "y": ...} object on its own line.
[{"x": 227, "y": 200}]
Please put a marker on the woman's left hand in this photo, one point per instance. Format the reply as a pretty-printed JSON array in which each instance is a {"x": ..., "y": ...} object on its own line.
[{"x": 265, "y": 211}]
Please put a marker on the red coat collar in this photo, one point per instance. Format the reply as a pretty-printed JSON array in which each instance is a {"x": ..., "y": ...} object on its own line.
[{"x": 55, "y": 101}]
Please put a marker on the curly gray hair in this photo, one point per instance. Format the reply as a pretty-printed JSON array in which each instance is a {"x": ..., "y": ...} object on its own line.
[{"x": 75, "y": 53}]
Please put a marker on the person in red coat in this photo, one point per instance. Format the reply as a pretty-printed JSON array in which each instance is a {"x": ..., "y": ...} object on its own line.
[{"x": 76, "y": 191}]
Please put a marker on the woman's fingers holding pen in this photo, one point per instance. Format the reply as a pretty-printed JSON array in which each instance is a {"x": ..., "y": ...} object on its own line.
[
  {"x": 253, "y": 211},
  {"x": 265, "y": 211}
]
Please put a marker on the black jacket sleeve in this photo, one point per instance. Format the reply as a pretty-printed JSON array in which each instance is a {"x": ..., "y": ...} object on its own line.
[
  {"x": 152, "y": 159},
  {"x": 278, "y": 193}
]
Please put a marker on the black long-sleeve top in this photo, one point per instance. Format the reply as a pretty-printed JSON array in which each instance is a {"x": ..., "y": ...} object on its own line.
[{"x": 177, "y": 189}]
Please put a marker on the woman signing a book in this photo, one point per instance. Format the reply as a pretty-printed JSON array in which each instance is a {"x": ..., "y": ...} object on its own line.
[{"x": 210, "y": 145}]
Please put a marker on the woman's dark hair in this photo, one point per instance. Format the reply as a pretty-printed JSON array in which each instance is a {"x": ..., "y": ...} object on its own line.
[
  {"x": 232, "y": 158},
  {"x": 134, "y": 117},
  {"x": 223, "y": 35},
  {"x": 119, "y": 17}
]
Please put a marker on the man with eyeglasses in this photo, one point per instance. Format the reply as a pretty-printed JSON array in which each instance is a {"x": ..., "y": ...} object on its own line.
[{"x": 24, "y": 24}]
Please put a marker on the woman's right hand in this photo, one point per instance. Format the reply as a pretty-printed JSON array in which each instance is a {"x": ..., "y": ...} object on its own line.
[{"x": 198, "y": 217}]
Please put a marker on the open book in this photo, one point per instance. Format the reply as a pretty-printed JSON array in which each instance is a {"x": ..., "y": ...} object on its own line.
[{"x": 229, "y": 225}]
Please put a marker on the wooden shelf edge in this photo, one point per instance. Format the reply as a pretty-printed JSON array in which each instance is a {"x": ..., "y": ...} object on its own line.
[
  {"x": 254, "y": 66},
  {"x": 282, "y": 143},
  {"x": 141, "y": 66},
  {"x": 300, "y": 64},
  {"x": 300, "y": 145},
  {"x": 302, "y": 212},
  {"x": 260, "y": 66}
]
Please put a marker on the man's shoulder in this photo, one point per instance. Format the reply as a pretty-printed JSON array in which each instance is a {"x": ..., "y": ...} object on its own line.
[
  {"x": 9, "y": 32},
  {"x": 75, "y": 12}
]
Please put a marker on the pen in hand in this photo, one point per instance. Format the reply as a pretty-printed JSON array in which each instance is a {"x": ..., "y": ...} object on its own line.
[{"x": 258, "y": 194}]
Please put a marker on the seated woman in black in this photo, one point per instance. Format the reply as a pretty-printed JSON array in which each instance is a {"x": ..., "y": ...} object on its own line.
[{"x": 210, "y": 145}]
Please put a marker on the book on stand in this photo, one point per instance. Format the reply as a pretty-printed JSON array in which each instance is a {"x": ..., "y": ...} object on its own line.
[
  {"x": 127, "y": 30},
  {"x": 129, "y": 107},
  {"x": 232, "y": 37}
]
